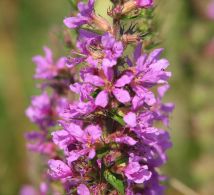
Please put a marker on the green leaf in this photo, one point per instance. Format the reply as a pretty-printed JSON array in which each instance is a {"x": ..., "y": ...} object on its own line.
[
  {"x": 114, "y": 181},
  {"x": 119, "y": 119}
]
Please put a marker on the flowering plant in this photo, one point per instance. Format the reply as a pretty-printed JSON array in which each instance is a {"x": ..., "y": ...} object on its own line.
[{"x": 107, "y": 139}]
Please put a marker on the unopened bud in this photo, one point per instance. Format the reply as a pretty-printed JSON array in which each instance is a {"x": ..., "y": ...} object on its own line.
[{"x": 102, "y": 23}]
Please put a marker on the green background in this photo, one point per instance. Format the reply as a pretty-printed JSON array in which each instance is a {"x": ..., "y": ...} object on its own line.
[{"x": 185, "y": 31}]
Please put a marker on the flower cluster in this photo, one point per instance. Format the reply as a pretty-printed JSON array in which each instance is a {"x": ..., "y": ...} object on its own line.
[{"x": 110, "y": 139}]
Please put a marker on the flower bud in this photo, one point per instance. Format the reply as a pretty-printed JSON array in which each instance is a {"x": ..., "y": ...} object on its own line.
[{"x": 133, "y": 4}]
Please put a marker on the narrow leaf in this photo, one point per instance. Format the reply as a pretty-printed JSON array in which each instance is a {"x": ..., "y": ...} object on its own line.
[{"x": 114, "y": 181}]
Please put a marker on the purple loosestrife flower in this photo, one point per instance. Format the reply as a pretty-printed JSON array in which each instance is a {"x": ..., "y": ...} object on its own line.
[
  {"x": 45, "y": 109},
  {"x": 82, "y": 141},
  {"x": 147, "y": 72},
  {"x": 41, "y": 111},
  {"x": 87, "y": 15},
  {"x": 108, "y": 88},
  {"x": 109, "y": 49},
  {"x": 163, "y": 110},
  {"x": 36, "y": 142},
  {"x": 137, "y": 173},
  {"x": 113, "y": 50},
  {"x": 83, "y": 17},
  {"x": 46, "y": 68}
]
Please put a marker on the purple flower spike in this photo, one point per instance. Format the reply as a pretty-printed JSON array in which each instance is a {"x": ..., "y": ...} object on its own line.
[
  {"x": 83, "y": 17},
  {"x": 105, "y": 141}
]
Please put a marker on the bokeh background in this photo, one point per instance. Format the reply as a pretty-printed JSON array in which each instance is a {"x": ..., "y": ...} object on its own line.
[{"x": 186, "y": 31}]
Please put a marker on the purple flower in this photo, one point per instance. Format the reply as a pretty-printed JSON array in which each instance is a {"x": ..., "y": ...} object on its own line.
[
  {"x": 83, "y": 89},
  {"x": 113, "y": 50},
  {"x": 152, "y": 186},
  {"x": 144, "y": 3},
  {"x": 44, "y": 110},
  {"x": 77, "y": 142},
  {"x": 83, "y": 17},
  {"x": 108, "y": 88},
  {"x": 131, "y": 119},
  {"x": 110, "y": 49},
  {"x": 86, "y": 138},
  {"x": 126, "y": 140},
  {"x": 162, "y": 110},
  {"x": 83, "y": 190},
  {"x": 77, "y": 110},
  {"x": 41, "y": 111},
  {"x": 147, "y": 72},
  {"x": 154, "y": 144},
  {"x": 137, "y": 173},
  {"x": 46, "y": 68},
  {"x": 36, "y": 142},
  {"x": 58, "y": 169}
]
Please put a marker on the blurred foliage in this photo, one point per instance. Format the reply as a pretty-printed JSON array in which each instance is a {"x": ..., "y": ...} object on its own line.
[{"x": 186, "y": 34}]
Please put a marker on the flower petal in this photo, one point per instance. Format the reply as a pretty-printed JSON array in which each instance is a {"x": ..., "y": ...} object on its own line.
[
  {"x": 124, "y": 80},
  {"x": 102, "y": 99},
  {"x": 94, "y": 80},
  {"x": 58, "y": 169},
  {"x": 130, "y": 119},
  {"x": 83, "y": 190},
  {"x": 94, "y": 131},
  {"x": 121, "y": 95}
]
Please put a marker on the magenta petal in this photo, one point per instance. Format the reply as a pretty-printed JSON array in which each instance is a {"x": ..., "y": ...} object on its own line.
[
  {"x": 61, "y": 138},
  {"x": 73, "y": 22},
  {"x": 154, "y": 56},
  {"x": 109, "y": 73},
  {"x": 126, "y": 140},
  {"x": 162, "y": 90},
  {"x": 102, "y": 99},
  {"x": 144, "y": 3},
  {"x": 73, "y": 156},
  {"x": 83, "y": 190},
  {"x": 76, "y": 131},
  {"x": 131, "y": 119},
  {"x": 94, "y": 131},
  {"x": 48, "y": 55},
  {"x": 94, "y": 80},
  {"x": 58, "y": 169},
  {"x": 121, "y": 95},
  {"x": 61, "y": 62},
  {"x": 91, "y": 154},
  {"x": 138, "y": 51},
  {"x": 124, "y": 80}
]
